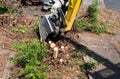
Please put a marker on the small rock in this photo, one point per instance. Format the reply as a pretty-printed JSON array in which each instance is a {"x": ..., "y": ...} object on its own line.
[
  {"x": 55, "y": 49},
  {"x": 50, "y": 42},
  {"x": 61, "y": 60},
  {"x": 52, "y": 45},
  {"x": 67, "y": 56},
  {"x": 62, "y": 47}
]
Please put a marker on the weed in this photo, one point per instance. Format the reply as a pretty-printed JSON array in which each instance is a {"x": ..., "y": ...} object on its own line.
[
  {"x": 36, "y": 26},
  {"x": 93, "y": 25},
  {"x": 82, "y": 24},
  {"x": 31, "y": 58},
  {"x": 6, "y": 9},
  {"x": 10, "y": 76},
  {"x": 33, "y": 49},
  {"x": 59, "y": 76},
  {"x": 80, "y": 76},
  {"x": 20, "y": 12},
  {"x": 33, "y": 72},
  {"x": 12, "y": 10},
  {"x": 87, "y": 66},
  {"x": 76, "y": 57},
  {"x": 111, "y": 31},
  {"x": 3, "y": 8},
  {"x": 93, "y": 12},
  {"x": 76, "y": 54},
  {"x": 99, "y": 29},
  {"x": 21, "y": 28}
]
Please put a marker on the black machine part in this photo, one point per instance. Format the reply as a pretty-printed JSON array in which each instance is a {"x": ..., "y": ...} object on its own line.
[
  {"x": 51, "y": 24},
  {"x": 47, "y": 27}
]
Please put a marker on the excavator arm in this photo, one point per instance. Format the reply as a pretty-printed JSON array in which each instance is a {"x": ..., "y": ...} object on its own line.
[
  {"x": 61, "y": 18},
  {"x": 71, "y": 13}
]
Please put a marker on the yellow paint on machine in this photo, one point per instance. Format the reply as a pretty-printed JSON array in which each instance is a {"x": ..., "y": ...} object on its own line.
[{"x": 71, "y": 13}]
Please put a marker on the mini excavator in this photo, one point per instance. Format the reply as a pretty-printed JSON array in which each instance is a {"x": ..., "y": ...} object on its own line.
[{"x": 60, "y": 19}]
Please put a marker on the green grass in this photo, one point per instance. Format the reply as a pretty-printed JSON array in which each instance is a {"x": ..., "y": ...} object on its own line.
[
  {"x": 36, "y": 26},
  {"x": 22, "y": 29},
  {"x": 31, "y": 59},
  {"x": 82, "y": 24},
  {"x": 3, "y": 8},
  {"x": 6, "y": 9},
  {"x": 88, "y": 66},
  {"x": 76, "y": 54},
  {"x": 93, "y": 23},
  {"x": 85, "y": 26},
  {"x": 80, "y": 76},
  {"x": 99, "y": 29},
  {"x": 93, "y": 12},
  {"x": 111, "y": 31},
  {"x": 20, "y": 12}
]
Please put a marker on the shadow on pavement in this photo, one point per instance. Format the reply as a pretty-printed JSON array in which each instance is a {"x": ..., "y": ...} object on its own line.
[{"x": 112, "y": 71}]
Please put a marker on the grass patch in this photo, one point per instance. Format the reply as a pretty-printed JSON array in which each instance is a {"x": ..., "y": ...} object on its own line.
[
  {"x": 36, "y": 26},
  {"x": 6, "y": 9},
  {"x": 77, "y": 59},
  {"x": 76, "y": 54},
  {"x": 22, "y": 29},
  {"x": 3, "y": 8},
  {"x": 111, "y": 31},
  {"x": 83, "y": 25},
  {"x": 20, "y": 12},
  {"x": 93, "y": 23},
  {"x": 30, "y": 59},
  {"x": 80, "y": 76},
  {"x": 93, "y": 12},
  {"x": 98, "y": 29},
  {"x": 88, "y": 66}
]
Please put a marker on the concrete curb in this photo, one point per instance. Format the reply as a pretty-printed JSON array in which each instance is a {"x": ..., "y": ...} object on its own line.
[{"x": 8, "y": 66}]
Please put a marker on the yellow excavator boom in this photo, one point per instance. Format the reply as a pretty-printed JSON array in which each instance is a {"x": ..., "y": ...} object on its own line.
[{"x": 72, "y": 11}]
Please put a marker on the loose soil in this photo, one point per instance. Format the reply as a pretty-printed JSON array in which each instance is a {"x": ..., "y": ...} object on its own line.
[{"x": 69, "y": 67}]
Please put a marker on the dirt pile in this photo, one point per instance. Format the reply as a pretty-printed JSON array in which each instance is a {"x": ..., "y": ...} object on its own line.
[{"x": 64, "y": 65}]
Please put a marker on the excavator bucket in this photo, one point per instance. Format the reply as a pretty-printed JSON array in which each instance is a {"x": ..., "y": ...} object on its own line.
[{"x": 47, "y": 28}]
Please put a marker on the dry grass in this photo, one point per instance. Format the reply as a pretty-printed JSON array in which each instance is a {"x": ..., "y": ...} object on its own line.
[{"x": 110, "y": 17}]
